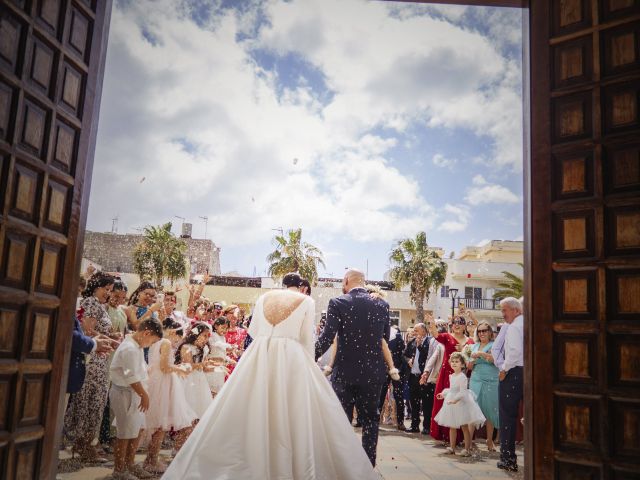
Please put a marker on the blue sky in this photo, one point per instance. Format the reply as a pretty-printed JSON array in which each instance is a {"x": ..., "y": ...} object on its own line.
[{"x": 360, "y": 122}]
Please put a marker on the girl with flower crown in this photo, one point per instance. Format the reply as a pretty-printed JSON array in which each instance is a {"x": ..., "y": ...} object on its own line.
[
  {"x": 193, "y": 351},
  {"x": 168, "y": 409}
]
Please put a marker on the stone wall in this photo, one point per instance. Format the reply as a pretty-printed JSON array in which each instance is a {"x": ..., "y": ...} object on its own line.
[{"x": 115, "y": 252}]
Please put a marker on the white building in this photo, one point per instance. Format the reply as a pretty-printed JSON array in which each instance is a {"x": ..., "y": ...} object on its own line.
[{"x": 476, "y": 273}]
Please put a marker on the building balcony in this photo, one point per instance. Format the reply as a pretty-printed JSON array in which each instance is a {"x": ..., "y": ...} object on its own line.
[{"x": 479, "y": 303}]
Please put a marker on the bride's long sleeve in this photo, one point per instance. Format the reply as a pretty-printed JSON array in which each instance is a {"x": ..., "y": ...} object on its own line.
[{"x": 308, "y": 327}]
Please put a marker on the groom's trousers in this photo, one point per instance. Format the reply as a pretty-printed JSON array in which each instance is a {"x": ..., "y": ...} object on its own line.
[{"x": 365, "y": 398}]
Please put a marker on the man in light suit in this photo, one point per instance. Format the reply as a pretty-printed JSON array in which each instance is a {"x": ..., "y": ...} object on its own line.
[{"x": 359, "y": 371}]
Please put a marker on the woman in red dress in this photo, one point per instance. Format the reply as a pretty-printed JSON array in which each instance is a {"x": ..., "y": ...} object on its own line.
[
  {"x": 235, "y": 335},
  {"x": 453, "y": 342}
]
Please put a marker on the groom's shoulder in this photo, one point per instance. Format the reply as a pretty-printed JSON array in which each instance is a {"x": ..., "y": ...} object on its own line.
[{"x": 345, "y": 298}]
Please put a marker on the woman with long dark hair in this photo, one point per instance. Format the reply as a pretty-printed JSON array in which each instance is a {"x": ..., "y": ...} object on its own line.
[
  {"x": 143, "y": 304},
  {"x": 84, "y": 413}
]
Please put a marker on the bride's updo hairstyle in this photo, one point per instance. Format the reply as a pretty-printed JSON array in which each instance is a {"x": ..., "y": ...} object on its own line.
[{"x": 291, "y": 280}]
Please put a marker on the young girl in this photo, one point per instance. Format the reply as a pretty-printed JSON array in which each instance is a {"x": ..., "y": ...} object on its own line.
[
  {"x": 218, "y": 348},
  {"x": 193, "y": 351},
  {"x": 452, "y": 342},
  {"x": 459, "y": 408},
  {"x": 235, "y": 335},
  {"x": 168, "y": 408}
]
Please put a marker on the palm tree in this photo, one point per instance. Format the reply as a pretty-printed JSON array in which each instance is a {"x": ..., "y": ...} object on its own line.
[
  {"x": 160, "y": 255},
  {"x": 420, "y": 267},
  {"x": 294, "y": 255},
  {"x": 513, "y": 286}
]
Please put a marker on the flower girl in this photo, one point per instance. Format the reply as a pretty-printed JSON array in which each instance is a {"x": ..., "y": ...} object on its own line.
[
  {"x": 168, "y": 408},
  {"x": 193, "y": 350},
  {"x": 460, "y": 409},
  {"x": 218, "y": 347}
]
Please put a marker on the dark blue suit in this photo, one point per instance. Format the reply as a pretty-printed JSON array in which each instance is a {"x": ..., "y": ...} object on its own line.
[
  {"x": 420, "y": 396},
  {"x": 81, "y": 345},
  {"x": 397, "y": 346},
  {"x": 359, "y": 371}
]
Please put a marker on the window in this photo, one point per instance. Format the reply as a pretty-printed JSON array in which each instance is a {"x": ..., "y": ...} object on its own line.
[
  {"x": 444, "y": 291},
  {"x": 394, "y": 316},
  {"x": 473, "y": 292}
]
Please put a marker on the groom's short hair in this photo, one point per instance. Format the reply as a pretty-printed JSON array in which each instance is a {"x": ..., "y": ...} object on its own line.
[{"x": 292, "y": 280}]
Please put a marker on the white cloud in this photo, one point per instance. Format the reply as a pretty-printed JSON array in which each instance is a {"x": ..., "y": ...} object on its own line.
[
  {"x": 483, "y": 193},
  {"x": 213, "y": 135},
  {"x": 414, "y": 68},
  {"x": 457, "y": 218},
  {"x": 441, "y": 161},
  {"x": 478, "y": 180},
  {"x": 187, "y": 106}
]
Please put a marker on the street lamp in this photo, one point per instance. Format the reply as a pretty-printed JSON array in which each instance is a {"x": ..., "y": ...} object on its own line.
[{"x": 453, "y": 292}]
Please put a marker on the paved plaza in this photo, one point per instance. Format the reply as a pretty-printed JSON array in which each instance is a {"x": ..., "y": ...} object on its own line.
[{"x": 401, "y": 456}]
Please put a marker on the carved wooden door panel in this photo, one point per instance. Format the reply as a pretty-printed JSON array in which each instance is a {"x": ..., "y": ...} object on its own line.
[
  {"x": 52, "y": 55},
  {"x": 583, "y": 400}
]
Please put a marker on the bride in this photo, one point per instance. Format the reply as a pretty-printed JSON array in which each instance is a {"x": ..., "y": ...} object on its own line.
[{"x": 277, "y": 416}]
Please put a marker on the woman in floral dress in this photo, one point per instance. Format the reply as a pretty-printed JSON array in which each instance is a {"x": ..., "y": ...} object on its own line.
[{"x": 83, "y": 416}]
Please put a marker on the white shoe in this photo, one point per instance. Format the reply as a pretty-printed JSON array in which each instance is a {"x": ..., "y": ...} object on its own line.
[
  {"x": 450, "y": 451},
  {"x": 465, "y": 453}
]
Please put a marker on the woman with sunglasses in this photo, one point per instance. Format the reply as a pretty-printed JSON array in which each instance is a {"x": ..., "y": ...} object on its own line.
[
  {"x": 484, "y": 379},
  {"x": 452, "y": 342}
]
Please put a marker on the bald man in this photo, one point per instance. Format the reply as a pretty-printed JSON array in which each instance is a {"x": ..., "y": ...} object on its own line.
[{"x": 361, "y": 322}]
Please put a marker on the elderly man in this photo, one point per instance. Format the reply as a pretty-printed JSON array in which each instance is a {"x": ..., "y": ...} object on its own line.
[{"x": 510, "y": 381}]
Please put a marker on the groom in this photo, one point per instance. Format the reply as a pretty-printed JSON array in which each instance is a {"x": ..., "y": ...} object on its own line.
[{"x": 359, "y": 371}]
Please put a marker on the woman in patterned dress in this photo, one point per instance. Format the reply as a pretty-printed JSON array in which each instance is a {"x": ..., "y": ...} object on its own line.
[{"x": 83, "y": 416}]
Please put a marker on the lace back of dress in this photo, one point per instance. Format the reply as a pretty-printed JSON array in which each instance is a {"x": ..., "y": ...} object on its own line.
[{"x": 279, "y": 306}]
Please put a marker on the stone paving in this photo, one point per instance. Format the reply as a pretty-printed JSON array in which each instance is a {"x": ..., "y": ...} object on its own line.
[{"x": 401, "y": 456}]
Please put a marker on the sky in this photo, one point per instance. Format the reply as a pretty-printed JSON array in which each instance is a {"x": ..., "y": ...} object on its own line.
[{"x": 361, "y": 122}]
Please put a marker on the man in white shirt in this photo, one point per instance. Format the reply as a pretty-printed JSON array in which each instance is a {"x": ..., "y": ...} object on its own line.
[
  {"x": 129, "y": 398},
  {"x": 510, "y": 381}
]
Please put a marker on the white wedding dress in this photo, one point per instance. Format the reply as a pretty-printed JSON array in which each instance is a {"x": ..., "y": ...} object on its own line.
[{"x": 277, "y": 416}]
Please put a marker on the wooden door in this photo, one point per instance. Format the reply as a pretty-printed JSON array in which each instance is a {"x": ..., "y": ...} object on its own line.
[
  {"x": 583, "y": 190},
  {"x": 52, "y": 55}
]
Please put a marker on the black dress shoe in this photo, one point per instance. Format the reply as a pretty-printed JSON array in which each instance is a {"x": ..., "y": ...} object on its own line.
[
  {"x": 401, "y": 427},
  {"x": 425, "y": 431},
  {"x": 414, "y": 430},
  {"x": 508, "y": 466}
]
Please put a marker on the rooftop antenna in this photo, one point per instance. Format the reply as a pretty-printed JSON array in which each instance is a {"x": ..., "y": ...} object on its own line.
[
  {"x": 206, "y": 223},
  {"x": 114, "y": 225}
]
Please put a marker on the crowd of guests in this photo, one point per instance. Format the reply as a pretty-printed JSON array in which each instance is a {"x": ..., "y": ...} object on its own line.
[
  {"x": 150, "y": 369},
  {"x": 457, "y": 376},
  {"x": 145, "y": 367}
]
